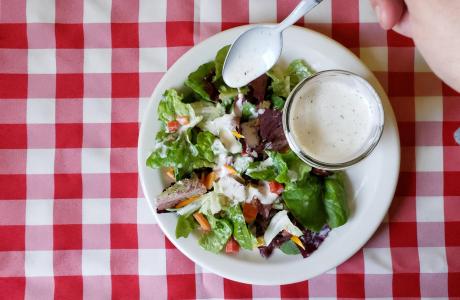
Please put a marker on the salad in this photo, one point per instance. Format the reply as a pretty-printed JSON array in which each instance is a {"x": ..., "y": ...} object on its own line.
[{"x": 236, "y": 184}]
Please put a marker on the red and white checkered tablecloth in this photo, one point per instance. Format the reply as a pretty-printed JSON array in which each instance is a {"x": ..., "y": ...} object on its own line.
[{"x": 75, "y": 78}]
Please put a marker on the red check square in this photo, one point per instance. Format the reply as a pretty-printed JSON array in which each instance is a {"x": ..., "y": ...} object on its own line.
[
  {"x": 69, "y": 36},
  {"x": 13, "y": 36},
  {"x": 13, "y": 136},
  {"x": 69, "y": 135},
  {"x": 401, "y": 84},
  {"x": 123, "y": 236},
  {"x": 452, "y": 235},
  {"x": 350, "y": 285},
  {"x": 67, "y": 237},
  {"x": 69, "y": 86},
  {"x": 406, "y": 285},
  {"x": 451, "y": 183},
  {"x": 125, "y": 35},
  {"x": 123, "y": 185},
  {"x": 14, "y": 287},
  {"x": 295, "y": 290},
  {"x": 454, "y": 287},
  {"x": 127, "y": 287},
  {"x": 13, "y": 86},
  {"x": 12, "y": 187},
  {"x": 403, "y": 234},
  {"x": 68, "y": 287},
  {"x": 125, "y": 85},
  {"x": 124, "y": 134},
  {"x": 12, "y": 238},
  {"x": 67, "y": 186},
  {"x": 183, "y": 287},
  {"x": 179, "y": 33},
  {"x": 346, "y": 34}
]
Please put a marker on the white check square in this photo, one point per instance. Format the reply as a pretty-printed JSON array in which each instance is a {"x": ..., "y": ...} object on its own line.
[
  {"x": 262, "y": 11},
  {"x": 429, "y": 208},
  {"x": 38, "y": 263},
  {"x": 152, "y": 261},
  {"x": 429, "y": 108},
  {"x": 41, "y": 61},
  {"x": 366, "y": 13},
  {"x": 97, "y": 61},
  {"x": 377, "y": 261},
  {"x": 321, "y": 14},
  {"x": 144, "y": 213},
  {"x": 95, "y": 262},
  {"x": 41, "y": 111},
  {"x": 97, "y": 110},
  {"x": 39, "y": 212},
  {"x": 40, "y": 161},
  {"x": 376, "y": 58},
  {"x": 96, "y": 211},
  {"x": 432, "y": 259},
  {"x": 152, "y": 59},
  {"x": 97, "y": 11},
  {"x": 40, "y": 11},
  {"x": 429, "y": 159},
  {"x": 210, "y": 11},
  {"x": 95, "y": 160},
  {"x": 152, "y": 11}
]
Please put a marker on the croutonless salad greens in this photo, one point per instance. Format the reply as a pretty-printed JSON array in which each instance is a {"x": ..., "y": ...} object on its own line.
[{"x": 236, "y": 182}]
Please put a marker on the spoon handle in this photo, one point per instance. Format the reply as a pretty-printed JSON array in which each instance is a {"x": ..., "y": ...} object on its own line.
[{"x": 301, "y": 9}]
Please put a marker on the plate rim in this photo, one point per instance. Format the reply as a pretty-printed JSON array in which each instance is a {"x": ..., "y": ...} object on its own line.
[{"x": 141, "y": 161}]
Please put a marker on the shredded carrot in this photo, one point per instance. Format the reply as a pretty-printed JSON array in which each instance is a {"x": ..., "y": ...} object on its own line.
[
  {"x": 297, "y": 241},
  {"x": 230, "y": 169},
  {"x": 186, "y": 201},
  {"x": 183, "y": 120},
  {"x": 209, "y": 180},
  {"x": 170, "y": 173},
  {"x": 237, "y": 134},
  {"x": 201, "y": 219},
  {"x": 260, "y": 241}
]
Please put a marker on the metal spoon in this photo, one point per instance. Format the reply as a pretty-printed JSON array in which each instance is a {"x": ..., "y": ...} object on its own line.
[{"x": 256, "y": 50}]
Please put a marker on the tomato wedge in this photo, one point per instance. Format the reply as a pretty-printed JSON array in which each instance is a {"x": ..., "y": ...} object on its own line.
[
  {"x": 276, "y": 187},
  {"x": 232, "y": 246},
  {"x": 249, "y": 212},
  {"x": 173, "y": 126}
]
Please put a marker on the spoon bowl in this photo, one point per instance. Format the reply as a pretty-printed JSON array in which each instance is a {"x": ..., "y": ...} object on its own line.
[
  {"x": 251, "y": 55},
  {"x": 256, "y": 50}
]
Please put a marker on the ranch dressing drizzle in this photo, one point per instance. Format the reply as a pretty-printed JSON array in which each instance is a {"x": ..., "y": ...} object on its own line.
[{"x": 331, "y": 121}]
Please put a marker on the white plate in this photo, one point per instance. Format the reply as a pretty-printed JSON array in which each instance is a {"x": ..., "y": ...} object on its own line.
[{"x": 371, "y": 183}]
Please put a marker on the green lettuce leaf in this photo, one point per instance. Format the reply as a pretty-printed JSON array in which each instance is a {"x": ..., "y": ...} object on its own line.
[
  {"x": 172, "y": 106},
  {"x": 335, "y": 200},
  {"x": 240, "y": 230},
  {"x": 182, "y": 155},
  {"x": 280, "y": 84},
  {"x": 304, "y": 200},
  {"x": 297, "y": 71},
  {"x": 273, "y": 168},
  {"x": 248, "y": 111},
  {"x": 278, "y": 102},
  {"x": 185, "y": 225},
  {"x": 208, "y": 110},
  {"x": 219, "y": 62},
  {"x": 196, "y": 80},
  {"x": 215, "y": 240},
  {"x": 297, "y": 169}
]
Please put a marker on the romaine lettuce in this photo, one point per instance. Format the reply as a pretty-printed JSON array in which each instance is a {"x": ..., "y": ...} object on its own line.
[
  {"x": 297, "y": 71},
  {"x": 215, "y": 240},
  {"x": 196, "y": 80},
  {"x": 240, "y": 230}
]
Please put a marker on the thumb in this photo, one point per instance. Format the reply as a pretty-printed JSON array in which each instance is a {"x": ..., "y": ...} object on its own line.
[{"x": 389, "y": 12}]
